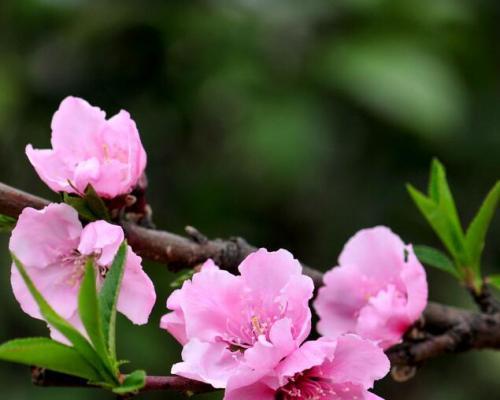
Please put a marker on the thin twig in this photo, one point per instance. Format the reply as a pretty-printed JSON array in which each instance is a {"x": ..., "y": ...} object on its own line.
[{"x": 47, "y": 378}]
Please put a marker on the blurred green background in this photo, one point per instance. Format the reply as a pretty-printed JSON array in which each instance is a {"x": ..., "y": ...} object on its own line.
[{"x": 291, "y": 123}]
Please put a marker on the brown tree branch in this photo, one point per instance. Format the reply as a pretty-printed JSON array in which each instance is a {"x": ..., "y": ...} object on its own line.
[
  {"x": 443, "y": 329},
  {"x": 446, "y": 330},
  {"x": 161, "y": 246}
]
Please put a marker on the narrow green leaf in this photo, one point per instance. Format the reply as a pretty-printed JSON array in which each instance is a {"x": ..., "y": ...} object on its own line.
[
  {"x": 450, "y": 235},
  {"x": 476, "y": 233},
  {"x": 440, "y": 192},
  {"x": 108, "y": 297},
  {"x": 184, "y": 276},
  {"x": 81, "y": 206},
  {"x": 88, "y": 306},
  {"x": 79, "y": 342},
  {"x": 46, "y": 353},
  {"x": 437, "y": 259},
  {"x": 132, "y": 383},
  {"x": 494, "y": 280},
  {"x": 96, "y": 204},
  {"x": 7, "y": 223}
]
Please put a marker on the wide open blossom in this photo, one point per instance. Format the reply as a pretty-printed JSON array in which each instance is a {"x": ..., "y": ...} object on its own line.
[
  {"x": 53, "y": 246},
  {"x": 378, "y": 290},
  {"x": 254, "y": 319},
  {"x": 339, "y": 369},
  {"x": 88, "y": 149}
]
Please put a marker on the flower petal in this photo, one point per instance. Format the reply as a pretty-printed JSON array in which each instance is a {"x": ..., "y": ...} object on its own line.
[
  {"x": 212, "y": 363},
  {"x": 277, "y": 266},
  {"x": 209, "y": 301},
  {"x": 102, "y": 238},
  {"x": 50, "y": 169},
  {"x": 256, "y": 391},
  {"x": 358, "y": 361},
  {"x": 76, "y": 129},
  {"x": 43, "y": 237},
  {"x": 58, "y": 285},
  {"x": 137, "y": 293}
]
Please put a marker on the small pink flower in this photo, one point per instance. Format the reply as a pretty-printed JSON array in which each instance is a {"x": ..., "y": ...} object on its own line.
[
  {"x": 88, "y": 149},
  {"x": 378, "y": 291},
  {"x": 53, "y": 246},
  {"x": 340, "y": 369},
  {"x": 254, "y": 319}
]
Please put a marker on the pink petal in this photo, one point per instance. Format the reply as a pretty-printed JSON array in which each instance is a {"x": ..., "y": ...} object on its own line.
[
  {"x": 207, "y": 362},
  {"x": 372, "y": 396},
  {"x": 296, "y": 295},
  {"x": 209, "y": 301},
  {"x": 385, "y": 318},
  {"x": 76, "y": 129},
  {"x": 174, "y": 322},
  {"x": 348, "y": 391},
  {"x": 50, "y": 169},
  {"x": 256, "y": 391},
  {"x": 57, "y": 283},
  {"x": 358, "y": 361},
  {"x": 102, "y": 238},
  {"x": 277, "y": 267},
  {"x": 415, "y": 280},
  {"x": 337, "y": 311},
  {"x": 175, "y": 325},
  {"x": 264, "y": 355},
  {"x": 85, "y": 172},
  {"x": 42, "y": 237},
  {"x": 137, "y": 293},
  {"x": 113, "y": 180},
  {"x": 130, "y": 150},
  {"x": 376, "y": 252},
  {"x": 310, "y": 354}
]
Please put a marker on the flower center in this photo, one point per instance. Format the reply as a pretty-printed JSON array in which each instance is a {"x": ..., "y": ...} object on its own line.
[
  {"x": 310, "y": 385},
  {"x": 76, "y": 261},
  {"x": 306, "y": 387},
  {"x": 255, "y": 322}
]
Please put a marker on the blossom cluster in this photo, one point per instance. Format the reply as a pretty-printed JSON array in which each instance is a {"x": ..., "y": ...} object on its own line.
[
  {"x": 52, "y": 243},
  {"x": 249, "y": 333}
]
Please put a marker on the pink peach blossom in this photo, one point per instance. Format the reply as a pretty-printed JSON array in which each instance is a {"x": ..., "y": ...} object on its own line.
[
  {"x": 53, "y": 246},
  {"x": 340, "y": 369},
  {"x": 88, "y": 149},
  {"x": 254, "y": 319},
  {"x": 378, "y": 290}
]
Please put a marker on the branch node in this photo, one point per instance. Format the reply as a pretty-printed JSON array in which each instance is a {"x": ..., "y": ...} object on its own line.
[
  {"x": 196, "y": 235},
  {"x": 485, "y": 299}
]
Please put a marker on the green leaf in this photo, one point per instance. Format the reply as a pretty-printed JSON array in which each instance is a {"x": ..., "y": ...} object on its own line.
[
  {"x": 89, "y": 206},
  {"x": 184, "y": 276},
  {"x": 108, "y": 297},
  {"x": 81, "y": 206},
  {"x": 7, "y": 223},
  {"x": 96, "y": 204},
  {"x": 46, "y": 353},
  {"x": 79, "y": 342},
  {"x": 450, "y": 234},
  {"x": 494, "y": 280},
  {"x": 88, "y": 306},
  {"x": 132, "y": 383},
  {"x": 440, "y": 192},
  {"x": 436, "y": 258},
  {"x": 476, "y": 233}
]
